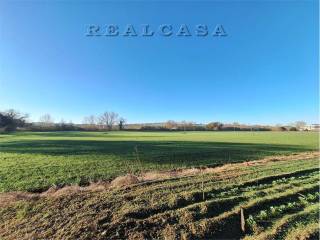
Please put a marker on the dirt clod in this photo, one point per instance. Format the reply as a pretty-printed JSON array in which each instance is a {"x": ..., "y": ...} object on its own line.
[{"x": 124, "y": 180}]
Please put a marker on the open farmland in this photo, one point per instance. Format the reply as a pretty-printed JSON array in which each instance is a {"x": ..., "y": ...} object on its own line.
[
  {"x": 37, "y": 161},
  {"x": 279, "y": 198}
]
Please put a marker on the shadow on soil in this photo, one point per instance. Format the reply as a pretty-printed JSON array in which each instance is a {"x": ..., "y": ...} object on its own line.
[{"x": 163, "y": 152}]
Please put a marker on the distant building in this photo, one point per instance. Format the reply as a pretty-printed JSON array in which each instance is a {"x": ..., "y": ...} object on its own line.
[
  {"x": 311, "y": 127},
  {"x": 315, "y": 127}
]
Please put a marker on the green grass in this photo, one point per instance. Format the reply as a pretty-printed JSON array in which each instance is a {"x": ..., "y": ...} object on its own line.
[{"x": 36, "y": 161}]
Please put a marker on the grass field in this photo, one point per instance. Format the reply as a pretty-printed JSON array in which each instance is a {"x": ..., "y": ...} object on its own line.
[
  {"x": 280, "y": 199},
  {"x": 35, "y": 161}
]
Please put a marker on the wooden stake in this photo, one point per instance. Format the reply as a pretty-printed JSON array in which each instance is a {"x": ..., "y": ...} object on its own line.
[
  {"x": 202, "y": 185},
  {"x": 242, "y": 221}
]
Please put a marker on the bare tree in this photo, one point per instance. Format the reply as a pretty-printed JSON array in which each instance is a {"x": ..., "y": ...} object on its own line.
[
  {"x": 104, "y": 120},
  {"x": 91, "y": 121},
  {"x": 170, "y": 124},
  {"x": 113, "y": 118},
  {"x": 108, "y": 119},
  {"x": 301, "y": 125},
  {"x": 46, "y": 120}
]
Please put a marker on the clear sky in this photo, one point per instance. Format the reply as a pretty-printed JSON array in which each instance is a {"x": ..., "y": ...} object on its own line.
[{"x": 264, "y": 71}]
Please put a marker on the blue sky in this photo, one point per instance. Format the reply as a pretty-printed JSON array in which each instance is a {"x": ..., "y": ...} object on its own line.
[{"x": 264, "y": 71}]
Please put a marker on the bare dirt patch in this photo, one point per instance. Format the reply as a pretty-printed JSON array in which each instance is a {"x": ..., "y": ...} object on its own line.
[{"x": 8, "y": 198}]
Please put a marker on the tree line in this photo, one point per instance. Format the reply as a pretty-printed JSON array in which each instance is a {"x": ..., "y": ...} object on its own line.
[
  {"x": 107, "y": 121},
  {"x": 12, "y": 120},
  {"x": 216, "y": 126}
]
